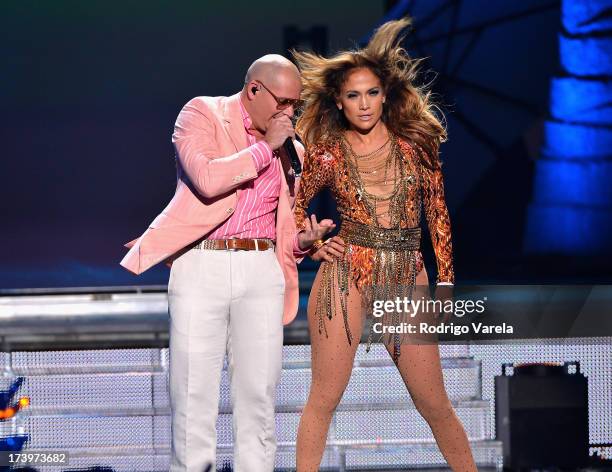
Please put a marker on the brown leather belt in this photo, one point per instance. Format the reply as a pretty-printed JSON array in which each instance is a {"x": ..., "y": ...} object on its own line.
[{"x": 236, "y": 244}]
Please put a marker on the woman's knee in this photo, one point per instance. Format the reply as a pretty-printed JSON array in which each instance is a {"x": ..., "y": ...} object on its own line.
[
  {"x": 434, "y": 409},
  {"x": 325, "y": 398}
]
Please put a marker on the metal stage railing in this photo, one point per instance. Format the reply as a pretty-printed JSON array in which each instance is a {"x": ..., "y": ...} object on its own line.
[{"x": 93, "y": 318}]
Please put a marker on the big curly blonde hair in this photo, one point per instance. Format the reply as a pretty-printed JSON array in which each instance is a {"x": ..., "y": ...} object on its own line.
[{"x": 409, "y": 111}]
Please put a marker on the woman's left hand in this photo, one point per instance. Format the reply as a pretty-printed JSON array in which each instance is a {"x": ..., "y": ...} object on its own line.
[{"x": 444, "y": 294}]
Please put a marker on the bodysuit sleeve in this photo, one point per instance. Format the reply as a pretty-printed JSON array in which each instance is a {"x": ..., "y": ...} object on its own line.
[
  {"x": 438, "y": 221},
  {"x": 318, "y": 173}
]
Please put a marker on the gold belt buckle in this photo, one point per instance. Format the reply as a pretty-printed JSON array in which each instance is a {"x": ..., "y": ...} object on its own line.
[{"x": 227, "y": 248}]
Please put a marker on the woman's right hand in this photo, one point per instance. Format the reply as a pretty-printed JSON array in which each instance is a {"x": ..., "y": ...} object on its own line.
[{"x": 333, "y": 248}]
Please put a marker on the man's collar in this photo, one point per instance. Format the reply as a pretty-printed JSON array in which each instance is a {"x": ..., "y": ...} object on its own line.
[
  {"x": 231, "y": 108},
  {"x": 235, "y": 112},
  {"x": 246, "y": 118}
]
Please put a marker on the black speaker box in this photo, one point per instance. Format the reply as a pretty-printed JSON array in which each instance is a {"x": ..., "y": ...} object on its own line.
[{"x": 541, "y": 416}]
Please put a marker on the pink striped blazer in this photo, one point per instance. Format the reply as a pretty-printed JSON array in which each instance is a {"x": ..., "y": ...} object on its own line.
[{"x": 209, "y": 138}]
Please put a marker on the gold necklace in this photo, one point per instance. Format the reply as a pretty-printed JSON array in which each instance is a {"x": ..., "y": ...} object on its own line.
[
  {"x": 369, "y": 154},
  {"x": 371, "y": 201}
]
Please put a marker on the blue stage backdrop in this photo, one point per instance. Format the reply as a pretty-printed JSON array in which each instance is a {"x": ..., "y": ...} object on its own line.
[{"x": 572, "y": 201}]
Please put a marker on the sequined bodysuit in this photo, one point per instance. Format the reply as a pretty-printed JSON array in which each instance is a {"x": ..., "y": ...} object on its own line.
[{"x": 328, "y": 165}]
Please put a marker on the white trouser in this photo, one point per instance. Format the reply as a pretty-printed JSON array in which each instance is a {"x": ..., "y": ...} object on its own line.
[{"x": 225, "y": 301}]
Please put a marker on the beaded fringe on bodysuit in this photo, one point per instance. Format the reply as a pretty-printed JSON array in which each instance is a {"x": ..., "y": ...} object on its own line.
[{"x": 393, "y": 274}]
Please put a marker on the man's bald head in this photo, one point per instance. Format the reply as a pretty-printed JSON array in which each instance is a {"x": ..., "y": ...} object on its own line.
[
  {"x": 270, "y": 68},
  {"x": 269, "y": 80}
]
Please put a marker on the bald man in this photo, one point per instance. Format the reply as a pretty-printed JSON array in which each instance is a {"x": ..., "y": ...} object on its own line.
[{"x": 230, "y": 237}]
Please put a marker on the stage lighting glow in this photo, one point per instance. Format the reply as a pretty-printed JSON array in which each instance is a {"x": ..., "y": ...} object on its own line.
[
  {"x": 573, "y": 99},
  {"x": 562, "y": 228},
  {"x": 572, "y": 207},
  {"x": 573, "y": 182},
  {"x": 581, "y": 17},
  {"x": 7, "y": 413},
  {"x": 586, "y": 56},
  {"x": 576, "y": 141}
]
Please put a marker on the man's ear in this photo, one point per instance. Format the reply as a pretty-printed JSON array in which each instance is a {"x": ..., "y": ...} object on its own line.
[{"x": 252, "y": 89}]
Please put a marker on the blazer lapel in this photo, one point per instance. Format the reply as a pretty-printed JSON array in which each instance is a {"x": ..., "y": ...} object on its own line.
[
  {"x": 234, "y": 126},
  {"x": 286, "y": 170}
]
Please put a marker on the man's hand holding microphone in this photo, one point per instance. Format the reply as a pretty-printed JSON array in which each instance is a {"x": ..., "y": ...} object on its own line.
[{"x": 279, "y": 129}]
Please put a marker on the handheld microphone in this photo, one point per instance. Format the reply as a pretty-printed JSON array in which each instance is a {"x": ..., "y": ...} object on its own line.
[{"x": 296, "y": 165}]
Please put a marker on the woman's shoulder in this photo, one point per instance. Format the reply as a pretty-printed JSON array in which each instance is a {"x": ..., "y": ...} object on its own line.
[
  {"x": 325, "y": 150},
  {"x": 416, "y": 152},
  {"x": 409, "y": 148}
]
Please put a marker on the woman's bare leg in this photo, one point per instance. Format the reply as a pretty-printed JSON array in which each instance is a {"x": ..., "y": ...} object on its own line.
[
  {"x": 332, "y": 362},
  {"x": 420, "y": 367}
]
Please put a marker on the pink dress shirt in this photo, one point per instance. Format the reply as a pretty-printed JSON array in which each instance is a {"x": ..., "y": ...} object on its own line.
[{"x": 255, "y": 214}]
